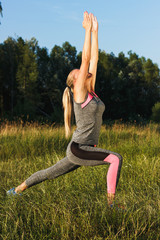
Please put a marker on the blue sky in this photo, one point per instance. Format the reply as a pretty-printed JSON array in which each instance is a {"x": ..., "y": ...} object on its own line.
[{"x": 124, "y": 25}]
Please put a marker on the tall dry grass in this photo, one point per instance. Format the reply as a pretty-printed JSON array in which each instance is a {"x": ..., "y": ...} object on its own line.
[{"x": 74, "y": 206}]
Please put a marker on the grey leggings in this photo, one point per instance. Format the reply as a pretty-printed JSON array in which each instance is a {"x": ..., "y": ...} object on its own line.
[
  {"x": 61, "y": 167},
  {"x": 80, "y": 155}
]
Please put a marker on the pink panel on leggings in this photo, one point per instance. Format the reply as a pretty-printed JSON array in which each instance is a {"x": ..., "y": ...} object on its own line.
[
  {"x": 89, "y": 98},
  {"x": 112, "y": 172}
]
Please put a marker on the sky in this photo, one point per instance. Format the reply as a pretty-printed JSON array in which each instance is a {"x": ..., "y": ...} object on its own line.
[{"x": 124, "y": 25}]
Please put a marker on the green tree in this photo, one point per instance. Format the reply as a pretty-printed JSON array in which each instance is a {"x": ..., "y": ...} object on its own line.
[
  {"x": 61, "y": 61},
  {"x": 152, "y": 83},
  {"x": 8, "y": 68},
  {"x": 26, "y": 80},
  {"x": 1, "y": 81},
  {"x": 42, "y": 80},
  {"x": 107, "y": 84},
  {"x": 32, "y": 81},
  {"x": 127, "y": 85},
  {"x": 134, "y": 86},
  {"x": 156, "y": 112}
]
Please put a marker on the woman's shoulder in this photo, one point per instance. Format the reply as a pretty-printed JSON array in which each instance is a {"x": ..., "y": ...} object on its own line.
[{"x": 79, "y": 95}]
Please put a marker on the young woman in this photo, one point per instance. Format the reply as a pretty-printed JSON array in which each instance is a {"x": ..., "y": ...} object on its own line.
[{"x": 88, "y": 110}]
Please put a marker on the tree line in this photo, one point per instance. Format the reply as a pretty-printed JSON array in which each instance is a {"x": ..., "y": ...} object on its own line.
[{"x": 32, "y": 82}]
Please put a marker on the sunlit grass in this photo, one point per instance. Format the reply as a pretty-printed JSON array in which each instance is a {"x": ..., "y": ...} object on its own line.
[{"x": 74, "y": 206}]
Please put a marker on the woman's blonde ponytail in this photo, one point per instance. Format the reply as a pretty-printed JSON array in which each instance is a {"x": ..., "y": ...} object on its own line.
[{"x": 68, "y": 106}]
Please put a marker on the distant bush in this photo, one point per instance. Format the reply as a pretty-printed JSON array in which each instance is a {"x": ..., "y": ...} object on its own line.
[{"x": 156, "y": 112}]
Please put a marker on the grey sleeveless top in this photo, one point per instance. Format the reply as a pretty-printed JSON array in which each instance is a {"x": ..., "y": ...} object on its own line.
[{"x": 88, "y": 116}]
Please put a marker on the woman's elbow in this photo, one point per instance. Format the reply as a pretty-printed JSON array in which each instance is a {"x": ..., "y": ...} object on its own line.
[
  {"x": 86, "y": 59},
  {"x": 94, "y": 59}
]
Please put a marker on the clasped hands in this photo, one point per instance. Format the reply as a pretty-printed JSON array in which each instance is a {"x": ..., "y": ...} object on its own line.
[{"x": 90, "y": 22}]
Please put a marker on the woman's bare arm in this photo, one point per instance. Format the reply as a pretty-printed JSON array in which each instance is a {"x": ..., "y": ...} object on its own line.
[
  {"x": 79, "y": 88},
  {"x": 94, "y": 52}
]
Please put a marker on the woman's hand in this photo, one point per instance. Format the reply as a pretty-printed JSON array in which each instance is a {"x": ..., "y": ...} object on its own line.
[
  {"x": 87, "y": 21},
  {"x": 94, "y": 23}
]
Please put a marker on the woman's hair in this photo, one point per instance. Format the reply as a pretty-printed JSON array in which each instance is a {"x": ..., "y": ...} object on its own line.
[{"x": 68, "y": 104}]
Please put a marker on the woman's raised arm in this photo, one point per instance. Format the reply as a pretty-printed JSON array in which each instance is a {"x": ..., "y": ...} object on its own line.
[
  {"x": 86, "y": 53},
  {"x": 94, "y": 51}
]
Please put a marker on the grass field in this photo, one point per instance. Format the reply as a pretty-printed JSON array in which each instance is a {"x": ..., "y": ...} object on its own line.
[{"x": 74, "y": 206}]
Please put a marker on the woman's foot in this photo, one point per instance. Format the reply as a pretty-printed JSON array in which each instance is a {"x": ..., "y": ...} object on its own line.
[
  {"x": 21, "y": 188},
  {"x": 18, "y": 190},
  {"x": 110, "y": 198},
  {"x": 112, "y": 204},
  {"x": 12, "y": 192}
]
